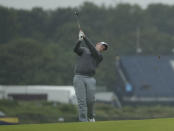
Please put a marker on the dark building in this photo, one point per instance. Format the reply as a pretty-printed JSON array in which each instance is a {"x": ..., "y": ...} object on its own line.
[{"x": 145, "y": 79}]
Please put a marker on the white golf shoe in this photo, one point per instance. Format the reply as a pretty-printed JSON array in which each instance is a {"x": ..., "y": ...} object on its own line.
[{"x": 92, "y": 120}]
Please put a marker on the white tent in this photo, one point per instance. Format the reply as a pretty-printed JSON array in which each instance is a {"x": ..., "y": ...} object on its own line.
[{"x": 63, "y": 94}]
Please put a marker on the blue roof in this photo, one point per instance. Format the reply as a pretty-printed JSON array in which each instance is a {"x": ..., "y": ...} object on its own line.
[{"x": 150, "y": 75}]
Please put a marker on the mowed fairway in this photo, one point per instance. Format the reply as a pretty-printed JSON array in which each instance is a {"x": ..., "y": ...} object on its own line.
[{"x": 131, "y": 125}]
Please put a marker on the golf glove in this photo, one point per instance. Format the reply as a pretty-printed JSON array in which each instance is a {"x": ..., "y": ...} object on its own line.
[{"x": 81, "y": 35}]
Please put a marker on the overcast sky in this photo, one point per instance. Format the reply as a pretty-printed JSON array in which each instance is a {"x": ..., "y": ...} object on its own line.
[{"x": 52, "y": 4}]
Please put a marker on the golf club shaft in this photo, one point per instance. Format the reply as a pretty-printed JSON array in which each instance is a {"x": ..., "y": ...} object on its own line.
[
  {"x": 77, "y": 18},
  {"x": 79, "y": 25}
]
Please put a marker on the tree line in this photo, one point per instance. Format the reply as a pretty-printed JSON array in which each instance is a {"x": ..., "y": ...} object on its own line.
[{"x": 36, "y": 46}]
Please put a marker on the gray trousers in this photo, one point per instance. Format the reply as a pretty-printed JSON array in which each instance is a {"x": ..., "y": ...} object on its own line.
[{"x": 85, "y": 91}]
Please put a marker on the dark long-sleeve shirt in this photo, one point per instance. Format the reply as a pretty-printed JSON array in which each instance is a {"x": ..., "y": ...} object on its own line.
[{"x": 88, "y": 58}]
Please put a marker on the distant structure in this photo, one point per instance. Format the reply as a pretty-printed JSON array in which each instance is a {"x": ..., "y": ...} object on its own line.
[
  {"x": 62, "y": 94},
  {"x": 145, "y": 79},
  {"x": 108, "y": 98},
  {"x": 138, "y": 48}
]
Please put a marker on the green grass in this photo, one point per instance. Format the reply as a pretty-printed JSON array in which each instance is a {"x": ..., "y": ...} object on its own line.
[
  {"x": 130, "y": 125},
  {"x": 39, "y": 112}
]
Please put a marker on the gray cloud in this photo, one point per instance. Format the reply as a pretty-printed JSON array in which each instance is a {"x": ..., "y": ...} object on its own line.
[{"x": 52, "y": 4}]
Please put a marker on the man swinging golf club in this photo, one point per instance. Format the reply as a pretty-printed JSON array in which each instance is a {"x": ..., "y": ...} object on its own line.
[{"x": 85, "y": 84}]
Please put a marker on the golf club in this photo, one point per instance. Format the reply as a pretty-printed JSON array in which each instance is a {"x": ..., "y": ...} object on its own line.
[{"x": 76, "y": 13}]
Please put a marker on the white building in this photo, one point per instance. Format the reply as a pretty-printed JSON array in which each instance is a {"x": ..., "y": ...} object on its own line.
[
  {"x": 108, "y": 97},
  {"x": 63, "y": 94}
]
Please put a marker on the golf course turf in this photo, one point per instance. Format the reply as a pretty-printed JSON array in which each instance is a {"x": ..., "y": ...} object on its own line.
[{"x": 124, "y": 125}]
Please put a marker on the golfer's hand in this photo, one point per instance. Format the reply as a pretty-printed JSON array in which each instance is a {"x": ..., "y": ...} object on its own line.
[{"x": 81, "y": 35}]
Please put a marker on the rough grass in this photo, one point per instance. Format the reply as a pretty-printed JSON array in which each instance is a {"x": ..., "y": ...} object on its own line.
[
  {"x": 130, "y": 125},
  {"x": 48, "y": 112}
]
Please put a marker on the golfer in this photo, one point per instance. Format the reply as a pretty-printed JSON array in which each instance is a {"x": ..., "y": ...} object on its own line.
[{"x": 84, "y": 82}]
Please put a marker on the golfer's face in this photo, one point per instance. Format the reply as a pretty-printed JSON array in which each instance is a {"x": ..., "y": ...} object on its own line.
[{"x": 100, "y": 47}]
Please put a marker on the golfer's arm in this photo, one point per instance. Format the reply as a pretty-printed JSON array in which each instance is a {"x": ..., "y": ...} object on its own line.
[
  {"x": 77, "y": 49},
  {"x": 92, "y": 48}
]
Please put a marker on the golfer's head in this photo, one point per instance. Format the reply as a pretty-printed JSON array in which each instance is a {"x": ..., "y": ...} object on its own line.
[{"x": 101, "y": 46}]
